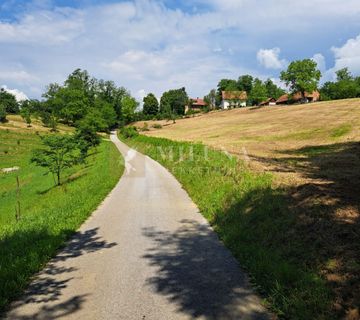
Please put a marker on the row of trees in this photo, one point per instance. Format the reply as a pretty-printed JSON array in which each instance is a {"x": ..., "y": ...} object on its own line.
[
  {"x": 172, "y": 104},
  {"x": 81, "y": 100},
  {"x": 346, "y": 86}
]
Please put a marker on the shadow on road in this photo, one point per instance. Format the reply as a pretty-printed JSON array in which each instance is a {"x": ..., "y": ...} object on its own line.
[
  {"x": 196, "y": 273},
  {"x": 48, "y": 285}
]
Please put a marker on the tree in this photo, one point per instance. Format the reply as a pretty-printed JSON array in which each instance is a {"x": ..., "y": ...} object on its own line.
[
  {"x": 106, "y": 112},
  {"x": 301, "y": 76},
  {"x": 210, "y": 99},
  {"x": 245, "y": 83},
  {"x": 129, "y": 105},
  {"x": 345, "y": 87},
  {"x": 86, "y": 137},
  {"x": 2, "y": 114},
  {"x": 174, "y": 102},
  {"x": 8, "y": 101},
  {"x": 25, "y": 112},
  {"x": 59, "y": 153},
  {"x": 258, "y": 92},
  {"x": 273, "y": 91},
  {"x": 151, "y": 105},
  {"x": 343, "y": 75}
]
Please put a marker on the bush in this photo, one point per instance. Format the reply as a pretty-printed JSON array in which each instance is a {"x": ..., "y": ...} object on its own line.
[
  {"x": 129, "y": 132},
  {"x": 2, "y": 114},
  {"x": 145, "y": 127},
  {"x": 157, "y": 126}
]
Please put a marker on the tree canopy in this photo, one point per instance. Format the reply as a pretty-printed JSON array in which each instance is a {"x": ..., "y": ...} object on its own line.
[
  {"x": 301, "y": 76},
  {"x": 346, "y": 86},
  {"x": 174, "y": 101},
  {"x": 8, "y": 102},
  {"x": 84, "y": 97},
  {"x": 151, "y": 105}
]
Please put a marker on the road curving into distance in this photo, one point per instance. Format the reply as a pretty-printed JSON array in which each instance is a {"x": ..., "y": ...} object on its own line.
[{"x": 145, "y": 253}]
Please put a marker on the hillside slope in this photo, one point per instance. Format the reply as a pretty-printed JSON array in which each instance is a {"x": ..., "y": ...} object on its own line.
[{"x": 313, "y": 152}]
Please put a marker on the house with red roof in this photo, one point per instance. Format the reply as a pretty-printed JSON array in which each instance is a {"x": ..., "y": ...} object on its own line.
[{"x": 197, "y": 104}]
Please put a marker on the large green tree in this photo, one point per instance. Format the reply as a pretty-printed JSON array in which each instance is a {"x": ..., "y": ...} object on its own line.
[
  {"x": 245, "y": 83},
  {"x": 151, "y": 105},
  {"x": 174, "y": 102},
  {"x": 8, "y": 101},
  {"x": 273, "y": 91},
  {"x": 258, "y": 92},
  {"x": 301, "y": 76},
  {"x": 129, "y": 105},
  {"x": 84, "y": 97}
]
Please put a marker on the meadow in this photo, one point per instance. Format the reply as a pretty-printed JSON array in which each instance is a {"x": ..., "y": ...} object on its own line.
[{"x": 49, "y": 215}]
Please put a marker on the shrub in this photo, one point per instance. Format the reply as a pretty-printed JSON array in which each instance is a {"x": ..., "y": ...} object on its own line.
[
  {"x": 2, "y": 114},
  {"x": 157, "y": 126},
  {"x": 145, "y": 127},
  {"x": 129, "y": 132}
]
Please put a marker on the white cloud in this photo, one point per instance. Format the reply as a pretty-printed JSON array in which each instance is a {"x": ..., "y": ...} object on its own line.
[
  {"x": 20, "y": 76},
  {"x": 20, "y": 96},
  {"x": 348, "y": 56},
  {"x": 43, "y": 27},
  {"x": 269, "y": 58},
  {"x": 320, "y": 60},
  {"x": 145, "y": 45}
]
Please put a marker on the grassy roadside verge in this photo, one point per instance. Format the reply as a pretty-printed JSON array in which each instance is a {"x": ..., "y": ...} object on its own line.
[
  {"x": 253, "y": 221},
  {"x": 50, "y": 215}
]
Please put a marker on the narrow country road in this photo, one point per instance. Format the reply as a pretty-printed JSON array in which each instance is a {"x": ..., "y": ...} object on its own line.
[{"x": 145, "y": 253}]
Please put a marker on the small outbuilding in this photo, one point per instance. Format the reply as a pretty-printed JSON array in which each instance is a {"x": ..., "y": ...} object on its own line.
[{"x": 268, "y": 102}]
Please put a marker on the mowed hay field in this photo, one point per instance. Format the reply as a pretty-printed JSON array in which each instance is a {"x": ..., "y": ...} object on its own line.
[
  {"x": 49, "y": 214},
  {"x": 313, "y": 154}
]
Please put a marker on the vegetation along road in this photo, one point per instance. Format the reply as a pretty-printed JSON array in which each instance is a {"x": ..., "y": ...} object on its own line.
[{"x": 146, "y": 253}]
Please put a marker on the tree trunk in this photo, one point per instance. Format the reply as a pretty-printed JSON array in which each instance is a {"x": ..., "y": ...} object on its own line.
[{"x": 58, "y": 178}]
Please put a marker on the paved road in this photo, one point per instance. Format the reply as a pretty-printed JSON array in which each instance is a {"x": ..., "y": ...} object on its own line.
[{"x": 145, "y": 253}]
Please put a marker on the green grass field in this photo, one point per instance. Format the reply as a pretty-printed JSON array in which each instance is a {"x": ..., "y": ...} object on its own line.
[
  {"x": 49, "y": 214},
  {"x": 253, "y": 221}
]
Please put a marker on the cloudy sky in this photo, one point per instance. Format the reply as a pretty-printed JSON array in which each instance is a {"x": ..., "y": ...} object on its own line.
[{"x": 156, "y": 45}]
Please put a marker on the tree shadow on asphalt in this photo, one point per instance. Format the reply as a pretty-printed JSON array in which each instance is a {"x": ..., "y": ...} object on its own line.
[
  {"x": 47, "y": 286},
  {"x": 196, "y": 272}
]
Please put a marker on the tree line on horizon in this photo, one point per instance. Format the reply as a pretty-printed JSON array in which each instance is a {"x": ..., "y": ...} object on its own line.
[{"x": 83, "y": 100}]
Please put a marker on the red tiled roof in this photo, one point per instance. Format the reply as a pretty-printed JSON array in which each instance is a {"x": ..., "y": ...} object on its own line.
[
  {"x": 198, "y": 102},
  {"x": 283, "y": 98},
  {"x": 234, "y": 95},
  {"x": 267, "y": 101},
  {"x": 297, "y": 96}
]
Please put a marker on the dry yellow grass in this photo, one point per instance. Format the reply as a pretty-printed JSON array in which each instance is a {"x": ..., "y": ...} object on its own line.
[
  {"x": 268, "y": 131},
  {"x": 15, "y": 122}
]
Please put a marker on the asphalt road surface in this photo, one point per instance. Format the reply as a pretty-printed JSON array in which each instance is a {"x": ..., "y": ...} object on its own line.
[{"x": 145, "y": 253}]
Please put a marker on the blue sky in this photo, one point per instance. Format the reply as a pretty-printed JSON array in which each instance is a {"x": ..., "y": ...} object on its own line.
[{"x": 156, "y": 45}]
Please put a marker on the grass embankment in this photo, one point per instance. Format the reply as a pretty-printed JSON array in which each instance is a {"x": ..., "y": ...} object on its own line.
[
  {"x": 49, "y": 215},
  {"x": 253, "y": 221}
]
